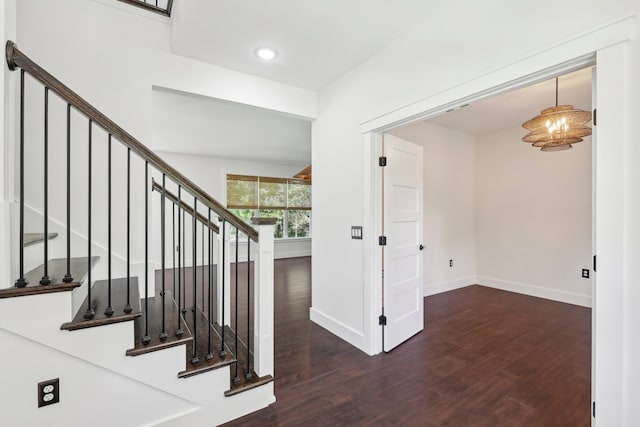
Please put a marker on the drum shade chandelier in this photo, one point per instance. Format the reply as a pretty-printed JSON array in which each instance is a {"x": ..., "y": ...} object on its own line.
[{"x": 557, "y": 128}]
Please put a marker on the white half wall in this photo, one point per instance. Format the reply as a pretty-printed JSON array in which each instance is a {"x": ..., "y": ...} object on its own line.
[{"x": 534, "y": 217}]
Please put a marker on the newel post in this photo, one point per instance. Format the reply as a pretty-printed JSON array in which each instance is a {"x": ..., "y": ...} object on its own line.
[{"x": 263, "y": 294}]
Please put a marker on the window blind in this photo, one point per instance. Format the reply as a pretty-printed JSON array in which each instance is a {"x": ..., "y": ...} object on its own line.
[{"x": 258, "y": 192}]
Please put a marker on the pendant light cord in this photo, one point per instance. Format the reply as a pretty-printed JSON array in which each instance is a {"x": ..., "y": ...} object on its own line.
[{"x": 556, "y": 91}]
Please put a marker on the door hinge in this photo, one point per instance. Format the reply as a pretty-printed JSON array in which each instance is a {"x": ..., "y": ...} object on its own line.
[
  {"x": 382, "y": 240},
  {"x": 383, "y": 273},
  {"x": 595, "y": 116},
  {"x": 594, "y": 409},
  {"x": 382, "y": 161},
  {"x": 594, "y": 263},
  {"x": 382, "y": 320}
]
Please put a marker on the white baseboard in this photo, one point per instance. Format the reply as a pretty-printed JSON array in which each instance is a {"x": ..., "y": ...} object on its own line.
[
  {"x": 350, "y": 335},
  {"x": 535, "y": 291},
  {"x": 439, "y": 287},
  {"x": 291, "y": 254}
]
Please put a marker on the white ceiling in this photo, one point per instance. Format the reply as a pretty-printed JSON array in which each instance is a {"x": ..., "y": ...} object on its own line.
[
  {"x": 190, "y": 124},
  {"x": 511, "y": 109},
  {"x": 317, "y": 41}
]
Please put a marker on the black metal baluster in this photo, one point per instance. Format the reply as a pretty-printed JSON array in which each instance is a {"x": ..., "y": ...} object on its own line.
[
  {"x": 173, "y": 245},
  {"x": 221, "y": 262},
  {"x": 194, "y": 358},
  {"x": 236, "y": 379},
  {"x": 67, "y": 277},
  {"x": 209, "y": 354},
  {"x": 163, "y": 334},
  {"x": 45, "y": 276},
  {"x": 109, "y": 310},
  {"x": 146, "y": 338},
  {"x": 248, "y": 375},
  {"x": 179, "y": 331},
  {"x": 184, "y": 265},
  {"x": 202, "y": 246},
  {"x": 127, "y": 308},
  {"x": 22, "y": 282},
  {"x": 90, "y": 312}
]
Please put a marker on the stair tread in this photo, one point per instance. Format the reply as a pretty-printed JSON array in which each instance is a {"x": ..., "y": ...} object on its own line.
[
  {"x": 204, "y": 365},
  {"x": 100, "y": 300},
  {"x": 244, "y": 383},
  {"x": 247, "y": 384},
  {"x": 33, "y": 238},
  {"x": 57, "y": 270},
  {"x": 155, "y": 327}
]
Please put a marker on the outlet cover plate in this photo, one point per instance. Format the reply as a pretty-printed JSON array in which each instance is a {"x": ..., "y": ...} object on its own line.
[{"x": 48, "y": 392}]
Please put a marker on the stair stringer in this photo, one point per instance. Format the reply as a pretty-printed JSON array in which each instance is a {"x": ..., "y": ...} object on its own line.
[
  {"x": 89, "y": 393},
  {"x": 105, "y": 347}
]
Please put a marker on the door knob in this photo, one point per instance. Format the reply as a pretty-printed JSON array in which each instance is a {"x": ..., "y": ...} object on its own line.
[{"x": 421, "y": 247}]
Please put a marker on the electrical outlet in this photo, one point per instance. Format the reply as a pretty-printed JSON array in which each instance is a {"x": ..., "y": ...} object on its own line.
[
  {"x": 48, "y": 392},
  {"x": 450, "y": 263},
  {"x": 356, "y": 232},
  {"x": 585, "y": 273}
]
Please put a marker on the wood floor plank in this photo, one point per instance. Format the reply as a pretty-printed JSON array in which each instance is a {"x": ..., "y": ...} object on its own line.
[{"x": 486, "y": 358}]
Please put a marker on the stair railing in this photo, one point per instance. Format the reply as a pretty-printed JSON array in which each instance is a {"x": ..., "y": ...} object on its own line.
[
  {"x": 163, "y": 7},
  {"x": 210, "y": 300},
  {"x": 216, "y": 291}
]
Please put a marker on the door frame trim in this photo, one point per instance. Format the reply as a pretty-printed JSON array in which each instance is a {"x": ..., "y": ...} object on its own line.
[{"x": 573, "y": 54}]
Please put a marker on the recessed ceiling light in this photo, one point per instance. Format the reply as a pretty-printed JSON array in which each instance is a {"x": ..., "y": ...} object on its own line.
[{"x": 266, "y": 53}]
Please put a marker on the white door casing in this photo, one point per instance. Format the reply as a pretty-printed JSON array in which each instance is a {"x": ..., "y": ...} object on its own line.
[{"x": 402, "y": 259}]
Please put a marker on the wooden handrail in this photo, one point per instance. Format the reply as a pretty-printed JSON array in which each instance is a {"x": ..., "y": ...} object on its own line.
[
  {"x": 17, "y": 59},
  {"x": 151, "y": 7},
  {"x": 155, "y": 186}
]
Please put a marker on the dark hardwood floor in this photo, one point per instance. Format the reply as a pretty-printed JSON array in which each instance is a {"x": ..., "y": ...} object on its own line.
[{"x": 485, "y": 358}]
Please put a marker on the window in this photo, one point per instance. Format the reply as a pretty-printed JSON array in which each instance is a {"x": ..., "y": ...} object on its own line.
[{"x": 287, "y": 200}]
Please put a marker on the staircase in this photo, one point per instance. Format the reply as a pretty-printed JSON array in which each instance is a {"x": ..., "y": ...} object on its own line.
[
  {"x": 163, "y": 7},
  {"x": 129, "y": 285}
]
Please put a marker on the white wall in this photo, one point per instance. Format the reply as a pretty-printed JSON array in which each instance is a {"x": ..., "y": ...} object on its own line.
[
  {"x": 534, "y": 217},
  {"x": 509, "y": 216},
  {"x": 210, "y": 173},
  {"x": 486, "y": 47},
  {"x": 7, "y": 117},
  {"x": 82, "y": 384},
  {"x": 113, "y": 56},
  {"x": 129, "y": 54},
  {"x": 404, "y": 72},
  {"x": 430, "y": 59},
  {"x": 449, "y": 205}
]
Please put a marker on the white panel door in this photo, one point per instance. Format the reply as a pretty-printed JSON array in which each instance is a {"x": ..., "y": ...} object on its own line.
[{"x": 403, "y": 261}]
